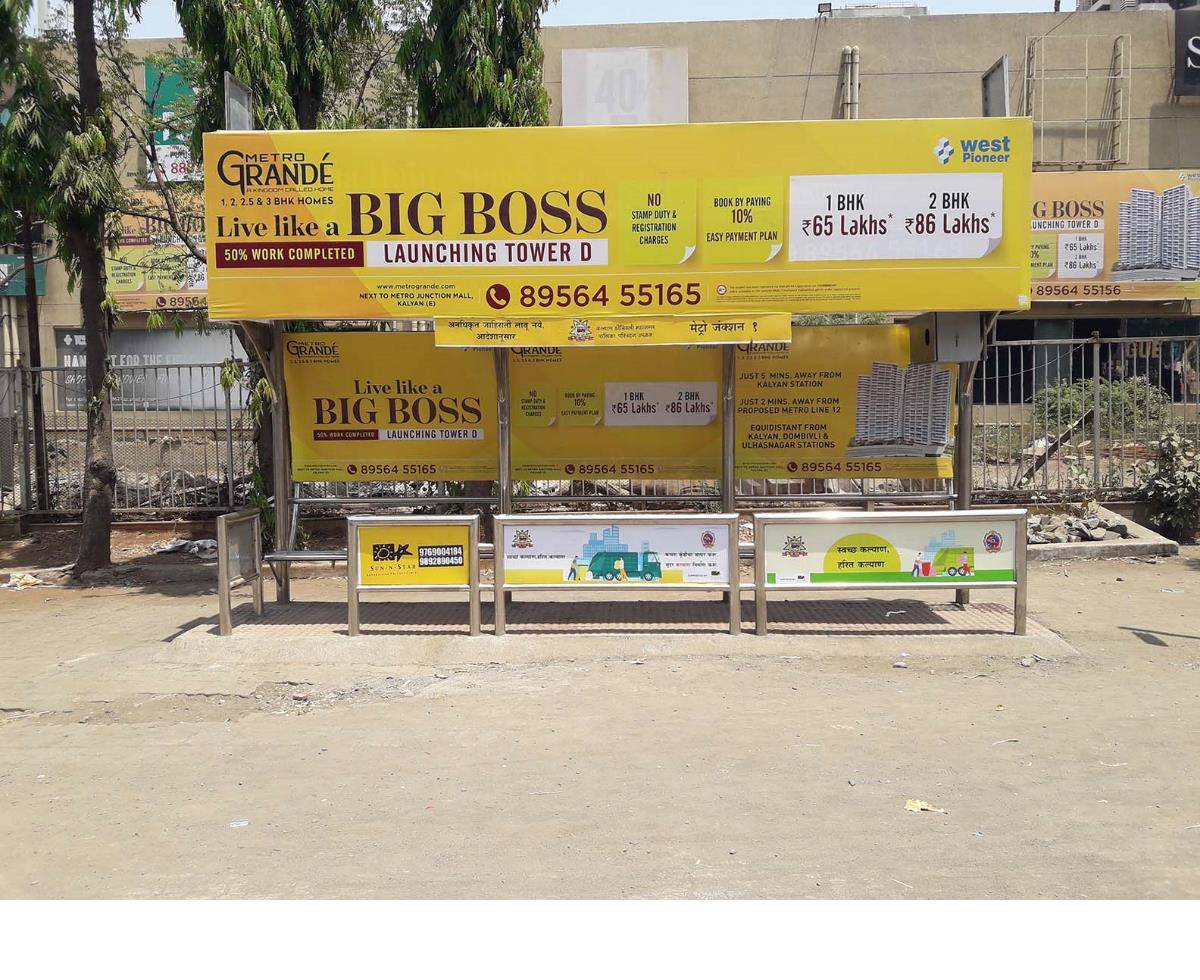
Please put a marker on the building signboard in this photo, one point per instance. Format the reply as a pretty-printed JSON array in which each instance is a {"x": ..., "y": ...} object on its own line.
[
  {"x": 1116, "y": 235},
  {"x": 1187, "y": 51},
  {"x": 842, "y": 401},
  {"x": 12, "y": 276},
  {"x": 167, "y": 88},
  {"x": 722, "y": 218},
  {"x": 389, "y": 406}
]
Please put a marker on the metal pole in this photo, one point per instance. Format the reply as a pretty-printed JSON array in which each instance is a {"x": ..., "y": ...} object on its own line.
[
  {"x": 1020, "y": 597},
  {"x": 352, "y": 621},
  {"x": 735, "y": 580},
  {"x": 229, "y": 447},
  {"x": 258, "y": 575},
  {"x": 475, "y": 615},
  {"x": 728, "y": 434},
  {"x": 760, "y": 578},
  {"x": 498, "y": 577},
  {"x": 281, "y": 476},
  {"x": 502, "y": 413},
  {"x": 963, "y": 449},
  {"x": 1096, "y": 411},
  {"x": 26, "y": 497},
  {"x": 224, "y": 600}
]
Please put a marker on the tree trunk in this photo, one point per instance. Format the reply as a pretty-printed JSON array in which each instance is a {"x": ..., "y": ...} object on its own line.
[
  {"x": 34, "y": 348},
  {"x": 100, "y": 475},
  {"x": 86, "y": 233}
]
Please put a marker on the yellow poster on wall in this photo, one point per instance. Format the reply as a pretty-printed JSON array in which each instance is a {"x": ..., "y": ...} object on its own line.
[
  {"x": 389, "y": 406},
  {"x": 842, "y": 401},
  {"x": 717, "y": 218},
  {"x": 413, "y": 554},
  {"x": 614, "y": 413},
  {"x": 649, "y": 331}
]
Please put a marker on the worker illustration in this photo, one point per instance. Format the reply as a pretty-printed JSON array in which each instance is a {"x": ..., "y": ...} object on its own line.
[
  {"x": 917, "y": 570},
  {"x": 619, "y": 568},
  {"x": 576, "y": 572}
]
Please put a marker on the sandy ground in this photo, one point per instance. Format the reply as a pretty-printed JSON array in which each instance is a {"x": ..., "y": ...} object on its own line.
[{"x": 141, "y": 756}]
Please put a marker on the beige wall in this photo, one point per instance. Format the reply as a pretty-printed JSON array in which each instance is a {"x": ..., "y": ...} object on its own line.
[
  {"x": 910, "y": 67},
  {"x": 915, "y": 67}
]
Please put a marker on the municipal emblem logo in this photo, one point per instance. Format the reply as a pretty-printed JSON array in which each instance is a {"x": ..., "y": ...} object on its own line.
[
  {"x": 944, "y": 150},
  {"x": 522, "y": 539},
  {"x": 793, "y": 547},
  {"x": 708, "y": 539},
  {"x": 992, "y": 542},
  {"x": 581, "y": 332}
]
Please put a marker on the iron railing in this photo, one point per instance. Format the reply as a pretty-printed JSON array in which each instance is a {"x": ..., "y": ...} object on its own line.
[{"x": 1061, "y": 418}]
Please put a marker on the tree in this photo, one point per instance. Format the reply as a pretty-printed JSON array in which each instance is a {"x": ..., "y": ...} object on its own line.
[
  {"x": 31, "y": 141},
  {"x": 477, "y": 63},
  {"x": 12, "y": 19}
]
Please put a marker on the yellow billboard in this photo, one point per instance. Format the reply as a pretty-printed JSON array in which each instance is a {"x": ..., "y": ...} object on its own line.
[
  {"x": 611, "y": 331},
  {"x": 413, "y": 554},
  {"x": 842, "y": 401},
  {"x": 389, "y": 406},
  {"x": 720, "y": 218},
  {"x": 614, "y": 413},
  {"x": 150, "y": 268},
  {"x": 1115, "y": 235}
]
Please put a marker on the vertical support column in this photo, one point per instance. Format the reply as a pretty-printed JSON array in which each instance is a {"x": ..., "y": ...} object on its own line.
[
  {"x": 962, "y": 454},
  {"x": 352, "y": 620},
  {"x": 498, "y": 603},
  {"x": 735, "y": 579},
  {"x": 475, "y": 616},
  {"x": 224, "y": 599},
  {"x": 1096, "y": 411},
  {"x": 258, "y": 573},
  {"x": 760, "y": 580},
  {"x": 503, "y": 414},
  {"x": 502, "y": 417},
  {"x": 28, "y": 497},
  {"x": 229, "y": 448},
  {"x": 728, "y": 435},
  {"x": 1020, "y": 597},
  {"x": 282, "y": 477}
]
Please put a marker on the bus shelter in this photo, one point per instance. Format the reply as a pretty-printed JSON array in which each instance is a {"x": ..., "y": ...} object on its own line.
[{"x": 514, "y": 317}]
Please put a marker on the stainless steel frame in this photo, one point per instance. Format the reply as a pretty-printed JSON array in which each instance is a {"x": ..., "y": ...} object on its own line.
[
  {"x": 761, "y": 588},
  {"x": 227, "y": 582},
  {"x": 355, "y": 524},
  {"x": 730, "y": 589}
]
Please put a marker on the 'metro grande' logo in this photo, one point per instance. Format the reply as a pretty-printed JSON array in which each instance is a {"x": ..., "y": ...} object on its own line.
[
  {"x": 269, "y": 169},
  {"x": 313, "y": 351}
]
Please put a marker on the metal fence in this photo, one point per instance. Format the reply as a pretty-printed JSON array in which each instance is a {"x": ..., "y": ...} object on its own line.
[
  {"x": 1062, "y": 418},
  {"x": 182, "y": 442},
  {"x": 1053, "y": 418}
]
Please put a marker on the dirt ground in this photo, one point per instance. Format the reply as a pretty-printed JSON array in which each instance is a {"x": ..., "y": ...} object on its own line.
[{"x": 143, "y": 756}]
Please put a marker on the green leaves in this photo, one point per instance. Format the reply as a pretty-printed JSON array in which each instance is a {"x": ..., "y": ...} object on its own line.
[
  {"x": 1171, "y": 486},
  {"x": 477, "y": 63}
]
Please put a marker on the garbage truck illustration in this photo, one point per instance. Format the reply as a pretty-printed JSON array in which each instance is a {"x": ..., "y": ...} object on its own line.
[
  {"x": 619, "y": 566},
  {"x": 950, "y": 562}
]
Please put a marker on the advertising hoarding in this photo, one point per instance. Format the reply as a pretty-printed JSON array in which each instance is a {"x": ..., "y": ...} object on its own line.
[
  {"x": 815, "y": 553},
  {"x": 612, "y": 552},
  {"x": 389, "y": 406},
  {"x": 395, "y": 554},
  {"x": 842, "y": 401},
  {"x": 1116, "y": 235},
  {"x": 151, "y": 268},
  {"x": 167, "y": 88},
  {"x": 615, "y": 413},
  {"x": 616, "y": 220}
]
